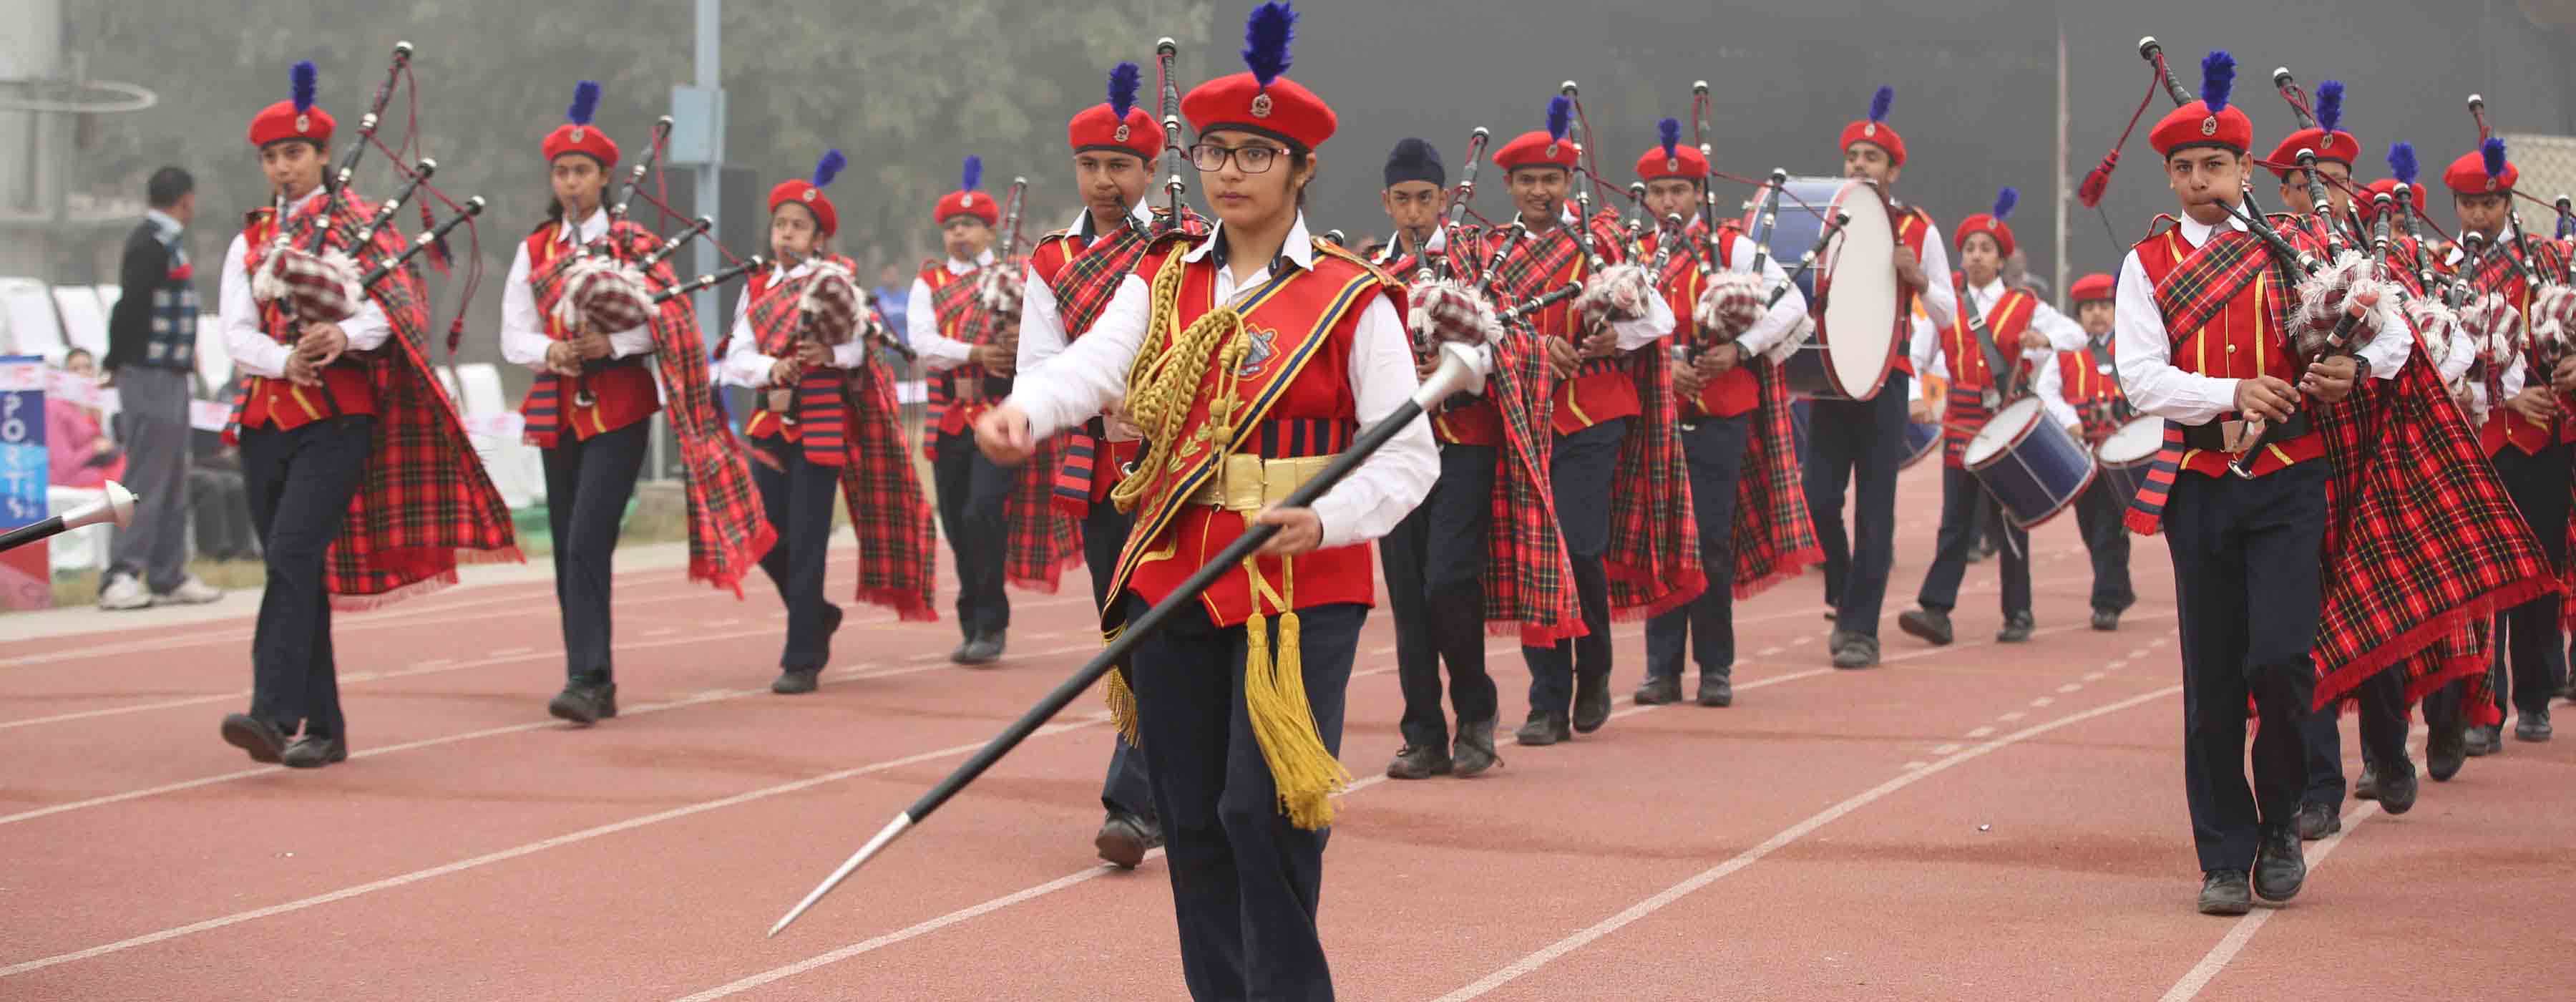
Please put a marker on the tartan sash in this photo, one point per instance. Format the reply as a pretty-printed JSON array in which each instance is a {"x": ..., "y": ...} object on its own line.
[
  {"x": 425, "y": 501},
  {"x": 821, "y": 415},
  {"x": 1083, "y": 288},
  {"x": 2195, "y": 291},
  {"x": 1774, "y": 531},
  {"x": 1653, "y": 560},
  {"x": 544, "y": 410},
  {"x": 1532, "y": 267}
]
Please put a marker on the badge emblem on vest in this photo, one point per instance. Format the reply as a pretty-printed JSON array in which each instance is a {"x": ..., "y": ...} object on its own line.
[{"x": 1257, "y": 352}]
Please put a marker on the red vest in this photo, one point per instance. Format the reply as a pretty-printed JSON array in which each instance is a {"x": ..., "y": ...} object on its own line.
[
  {"x": 957, "y": 394},
  {"x": 1965, "y": 410},
  {"x": 1734, "y": 392},
  {"x": 346, "y": 388},
  {"x": 1294, "y": 385},
  {"x": 763, "y": 423},
  {"x": 2093, "y": 393},
  {"x": 2240, "y": 341},
  {"x": 621, "y": 395},
  {"x": 1048, "y": 259},
  {"x": 1913, "y": 226}
]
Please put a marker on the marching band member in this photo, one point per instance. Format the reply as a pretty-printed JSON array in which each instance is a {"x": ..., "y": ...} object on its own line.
[
  {"x": 589, "y": 412},
  {"x": 2027, "y": 331},
  {"x": 340, "y": 425},
  {"x": 825, "y": 423},
  {"x": 2092, "y": 393},
  {"x": 947, "y": 328},
  {"x": 2290, "y": 593},
  {"x": 1597, "y": 398},
  {"x": 1272, "y": 350},
  {"x": 1072, "y": 275},
  {"x": 1734, "y": 429},
  {"x": 1859, "y": 443},
  {"x": 2527, "y": 436}
]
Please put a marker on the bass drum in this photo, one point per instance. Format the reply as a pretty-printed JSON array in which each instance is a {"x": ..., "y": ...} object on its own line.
[
  {"x": 2127, "y": 454},
  {"x": 1852, "y": 288}
]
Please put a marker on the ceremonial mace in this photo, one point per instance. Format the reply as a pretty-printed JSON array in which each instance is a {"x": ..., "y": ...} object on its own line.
[
  {"x": 1457, "y": 374},
  {"x": 117, "y": 507}
]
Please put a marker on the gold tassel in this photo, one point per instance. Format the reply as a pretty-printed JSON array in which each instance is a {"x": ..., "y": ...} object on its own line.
[
  {"x": 1274, "y": 698},
  {"x": 1122, "y": 707}
]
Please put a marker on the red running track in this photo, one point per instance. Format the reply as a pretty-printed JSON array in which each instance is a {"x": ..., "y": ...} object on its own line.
[{"x": 1971, "y": 822}]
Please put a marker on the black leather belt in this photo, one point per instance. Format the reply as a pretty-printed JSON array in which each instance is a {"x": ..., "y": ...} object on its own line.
[{"x": 2213, "y": 436}]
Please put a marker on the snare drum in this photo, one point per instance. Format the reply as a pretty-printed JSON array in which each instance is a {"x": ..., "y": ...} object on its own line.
[
  {"x": 2126, "y": 455},
  {"x": 2032, "y": 465},
  {"x": 1920, "y": 440},
  {"x": 1852, "y": 288}
]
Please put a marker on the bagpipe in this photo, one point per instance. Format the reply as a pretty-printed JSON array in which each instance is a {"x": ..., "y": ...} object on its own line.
[{"x": 1000, "y": 287}]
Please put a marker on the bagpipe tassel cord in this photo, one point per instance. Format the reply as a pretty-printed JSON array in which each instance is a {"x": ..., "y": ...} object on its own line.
[{"x": 1274, "y": 700}]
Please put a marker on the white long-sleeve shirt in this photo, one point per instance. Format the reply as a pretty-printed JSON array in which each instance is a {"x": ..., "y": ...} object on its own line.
[
  {"x": 252, "y": 351},
  {"x": 2046, "y": 381},
  {"x": 1091, "y": 374},
  {"x": 939, "y": 352},
  {"x": 1042, "y": 332},
  {"x": 744, "y": 365},
  {"x": 2143, "y": 348},
  {"x": 523, "y": 327}
]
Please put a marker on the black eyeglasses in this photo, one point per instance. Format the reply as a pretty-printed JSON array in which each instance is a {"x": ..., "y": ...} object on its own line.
[{"x": 1250, "y": 159}]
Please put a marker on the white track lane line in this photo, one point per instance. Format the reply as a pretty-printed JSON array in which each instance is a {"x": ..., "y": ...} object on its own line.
[
  {"x": 1033, "y": 892},
  {"x": 2215, "y": 962},
  {"x": 1614, "y": 923}
]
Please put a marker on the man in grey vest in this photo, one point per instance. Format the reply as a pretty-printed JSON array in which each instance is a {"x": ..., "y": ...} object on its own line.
[{"x": 151, "y": 352}]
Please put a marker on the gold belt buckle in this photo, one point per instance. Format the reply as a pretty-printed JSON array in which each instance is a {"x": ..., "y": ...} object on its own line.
[{"x": 1247, "y": 482}]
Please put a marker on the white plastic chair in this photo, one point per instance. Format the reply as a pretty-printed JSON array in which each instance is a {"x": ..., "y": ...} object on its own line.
[
  {"x": 27, "y": 320},
  {"x": 84, "y": 321}
]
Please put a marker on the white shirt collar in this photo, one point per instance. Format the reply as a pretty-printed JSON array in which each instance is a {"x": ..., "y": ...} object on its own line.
[
  {"x": 317, "y": 192},
  {"x": 163, "y": 221},
  {"x": 1988, "y": 291},
  {"x": 957, "y": 267},
  {"x": 2197, "y": 232},
  {"x": 1137, "y": 215},
  {"x": 779, "y": 272},
  {"x": 591, "y": 227},
  {"x": 1299, "y": 247},
  {"x": 1563, "y": 217}
]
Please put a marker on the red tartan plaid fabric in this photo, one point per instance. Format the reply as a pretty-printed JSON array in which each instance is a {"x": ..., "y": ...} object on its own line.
[
  {"x": 2196, "y": 290},
  {"x": 425, "y": 501},
  {"x": 1086, "y": 284},
  {"x": 1775, "y": 535},
  {"x": 1653, "y": 560},
  {"x": 2422, "y": 538},
  {"x": 1041, "y": 542},
  {"x": 889, "y": 514},
  {"x": 727, "y": 532}
]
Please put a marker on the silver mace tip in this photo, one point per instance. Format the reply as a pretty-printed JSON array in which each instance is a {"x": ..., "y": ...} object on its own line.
[{"x": 884, "y": 837}]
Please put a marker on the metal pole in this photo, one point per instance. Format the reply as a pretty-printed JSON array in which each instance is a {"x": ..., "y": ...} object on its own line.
[
  {"x": 2065, "y": 193},
  {"x": 710, "y": 193}
]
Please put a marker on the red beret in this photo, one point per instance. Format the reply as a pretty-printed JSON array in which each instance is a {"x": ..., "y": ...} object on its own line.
[
  {"x": 2387, "y": 186},
  {"x": 2338, "y": 146},
  {"x": 1285, "y": 110},
  {"x": 590, "y": 139},
  {"x": 1987, "y": 224},
  {"x": 2194, "y": 125},
  {"x": 282, "y": 121},
  {"x": 2096, "y": 286},
  {"x": 806, "y": 193},
  {"x": 1879, "y": 134},
  {"x": 1117, "y": 124},
  {"x": 1680, "y": 161},
  {"x": 2468, "y": 175},
  {"x": 968, "y": 203},
  {"x": 1536, "y": 148}
]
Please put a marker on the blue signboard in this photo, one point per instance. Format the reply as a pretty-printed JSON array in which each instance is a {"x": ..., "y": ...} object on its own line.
[{"x": 23, "y": 472}]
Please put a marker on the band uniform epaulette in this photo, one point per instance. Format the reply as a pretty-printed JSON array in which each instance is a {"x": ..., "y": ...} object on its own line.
[{"x": 1334, "y": 250}]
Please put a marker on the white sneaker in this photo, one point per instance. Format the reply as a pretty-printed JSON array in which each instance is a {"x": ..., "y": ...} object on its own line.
[
  {"x": 124, "y": 591},
  {"x": 190, "y": 592}
]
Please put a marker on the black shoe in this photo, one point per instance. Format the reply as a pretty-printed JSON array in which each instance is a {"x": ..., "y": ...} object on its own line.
[
  {"x": 1716, "y": 690},
  {"x": 1543, "y": 729},
  {"x": 585, "y": 703},
  {"x": 2279, "y": 867},
  {"x": 2224, "y": 892},
  {"x": 2016, "y": 628},
  {"x": 2317, "y": 821},
  {"x": 982, "y": 650},
  {"x": 1125, "y": 838},
  {"x": 1591, "y": 702},
  {"x": 1858, "y": 650},
  {"x": 309, "y": 752},
  {"x": 831, "y": 625},
  {"x": 2445, "y": 749},
  {"x": 2397, "y": 789},
  {"x": 1473, "y": 752},
  {"x": 2106, "y": 620},
  {"x": 1659, "y": 690},
  {"x": 260, "y": 738},
  {"x": 1930, "y": 624},
  {"x": 2366, "y": 785},
  {"x": 795, "y": 681},
  {"x": 1418, "y": 762},
  {"x": 2532, "y": 726},
  {"x": 2485, "y": 741}
]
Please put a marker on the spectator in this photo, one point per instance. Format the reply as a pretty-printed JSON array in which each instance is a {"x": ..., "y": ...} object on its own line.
[
  {"x": 221, "y": 501},
  {"x": 151, "y": 353},
  {"x": 76, "y": 447},
  {"x": 894, "y": 287}
]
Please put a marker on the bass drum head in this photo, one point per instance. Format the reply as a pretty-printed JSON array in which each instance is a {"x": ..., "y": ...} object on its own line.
[
  {"x": 1859, "y": 282},
  {"x": 1999, "y": 434},
  {"x": 2135, "y": 442},
  {"x": 1788, "y": 236}
]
